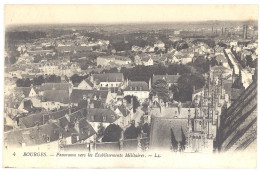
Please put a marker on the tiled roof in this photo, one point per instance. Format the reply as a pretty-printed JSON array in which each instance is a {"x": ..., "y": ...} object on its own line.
[
  {"x": 218, "y": 68},
  {"x": 123, "y": 110},
  {"x": 99, "y": 114},
  {"x": 61, "y": 96},
  {"x": 77, "y": 95},
  {"x": 35, "y": 136},
  {"x": 24, "y": 90},
  {"x": 89, "y": 82},
  {"x": 38, "y": 134},
  {"x": 55, "y": 86},
  {"x": 235, "y": 93},
  {"x": 167, "y": 78},
  {"x": 221, "y": 58},
  {"x": 173, "y": 112},
  {"x": 30, "y": 121},
  {"x": 109, "y": 77},
  {"x": 161, "y": 131},
  {"x": 137, "y": 86}
]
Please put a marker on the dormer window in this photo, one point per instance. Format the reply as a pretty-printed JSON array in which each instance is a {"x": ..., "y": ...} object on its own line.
[
  {"x": 113, "y": 116},
  {"x": 48, "y": 139},
  {"x": 60, "y": 135},
  {"x": 104, "y": 118},
  {"x": 141, "y": 88},
  {"x": 92, "y": 117},
  {"x": 135, "y": 88}
]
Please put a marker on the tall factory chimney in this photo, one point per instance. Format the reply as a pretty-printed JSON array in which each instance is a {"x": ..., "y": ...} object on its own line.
[{"x": 246, "y": 32}]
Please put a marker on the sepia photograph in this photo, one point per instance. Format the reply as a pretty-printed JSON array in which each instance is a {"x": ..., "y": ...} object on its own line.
[{"x": 130, "y": 86}]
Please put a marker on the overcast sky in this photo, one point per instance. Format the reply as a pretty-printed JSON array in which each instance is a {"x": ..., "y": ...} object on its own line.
[{"x": 40, "y": 14}]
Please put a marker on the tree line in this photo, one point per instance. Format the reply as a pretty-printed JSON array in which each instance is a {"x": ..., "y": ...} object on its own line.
[{"x": 38, "y": 81}]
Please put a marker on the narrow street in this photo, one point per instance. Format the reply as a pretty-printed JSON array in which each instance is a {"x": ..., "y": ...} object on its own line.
[{"x": 246, "y": 75}]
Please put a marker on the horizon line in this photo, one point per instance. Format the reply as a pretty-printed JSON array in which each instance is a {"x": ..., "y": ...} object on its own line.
[{"x": 136, "y": 22}]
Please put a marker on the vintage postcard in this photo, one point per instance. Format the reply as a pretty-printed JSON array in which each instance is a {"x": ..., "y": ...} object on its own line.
[{"x": 130, "y": 86}]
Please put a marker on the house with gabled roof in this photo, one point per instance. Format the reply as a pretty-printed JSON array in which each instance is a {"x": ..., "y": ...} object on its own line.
[
  {"x": 55, "y": 99},
  {"x": 117, "y": 60},
  {"x": 140, "y": 89},
  {"x": 107, "y": 80},
  {"x": 55, "y": 134},
  {"x": 85, "y": 84},
  {"x": 78, "y": 94},
  {"x": 55, "y": 86},
  {"x": 143, "y": 59},
  {"x": 170, "y": 79},
  {"x": 96, "y": 116},
  {"x": 125, "y": 115},
  {"x": 26, "y": 91}
]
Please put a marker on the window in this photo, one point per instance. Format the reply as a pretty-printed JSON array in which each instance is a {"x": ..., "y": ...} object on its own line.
[
  {"x": 60, "y": 135},
  {"x": 104, "y": 118},
  {"x": 92, "y": 117},
  {"x": 48, "y": 139}
]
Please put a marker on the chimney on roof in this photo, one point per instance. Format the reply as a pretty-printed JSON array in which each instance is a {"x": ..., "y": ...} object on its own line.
[
  {"x": 150, "y": 84},
  {"x": 179, "y": 107},
  {"x": 76, "y": 126}
]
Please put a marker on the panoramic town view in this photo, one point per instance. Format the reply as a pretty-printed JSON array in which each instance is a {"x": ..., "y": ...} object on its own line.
[{"x": 186, "y": 87}]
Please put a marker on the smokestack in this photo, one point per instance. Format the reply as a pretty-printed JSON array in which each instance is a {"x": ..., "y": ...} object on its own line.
[{"x": 245, "y": 31}]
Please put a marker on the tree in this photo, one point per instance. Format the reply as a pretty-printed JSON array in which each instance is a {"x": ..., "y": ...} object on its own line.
[
  {"x": 160, "y": 88},
  {"x": 38, "y": 80},
  {"x": 112, "y": 133},
  {"x": 12, "y": 59},
  {"x": 101, "y": 130},
  {"x": 76, "y": 78},
  {"x": 19, "y": 83},
  {"x": 129, "y": 99},
  {"x": 27, "y": 83},
  {"x": 131, "y": 132},
  {"x": 112, "y": 70},
  {"x": 173, "y": 69},
  {"x": 53, "y": 79},
  {"x": 186, "y": 83},
  {"x": 175, "y": 91},
  {"x": 201, "y": 64}
]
